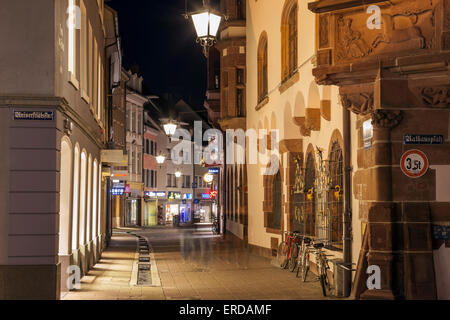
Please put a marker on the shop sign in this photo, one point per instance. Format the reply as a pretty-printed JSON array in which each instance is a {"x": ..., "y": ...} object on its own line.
[
  {"x": 187, "y": 196},
  {"x": 34, "y": 115},
  {"x": 414, "y": 163},
  {"x": 196, "y": 201},
  {"x": 213, "y": 170},
  {"x": 184, "y": 201},
  {"x": 127, "y": 188},
  {"x": 212, "y": 194},
  {"x": 120, "y": 185},
  {"x": 117, "y": 191},
  {"x": 153, "y": 194},
  {"x": 367, "y": 134},
  {"x": 423, "y": 139},
  {"x": 174, "y": 195},
  {"x": 206, "y": 196}
]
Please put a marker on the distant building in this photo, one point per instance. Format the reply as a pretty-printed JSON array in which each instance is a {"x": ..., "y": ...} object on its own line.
[{"x": 135, "y": 132}]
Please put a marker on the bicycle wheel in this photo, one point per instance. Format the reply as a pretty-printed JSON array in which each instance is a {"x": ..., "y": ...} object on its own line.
[
  {"x": 305, "y": 269},
  {"x": 323, "y": 284},
  {"x": 293, "y": 259},
  {"x": 281, "y": 255}
]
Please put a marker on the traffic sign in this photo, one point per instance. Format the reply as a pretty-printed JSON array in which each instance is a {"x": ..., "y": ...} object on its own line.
[{"x": 414, "y": 163}]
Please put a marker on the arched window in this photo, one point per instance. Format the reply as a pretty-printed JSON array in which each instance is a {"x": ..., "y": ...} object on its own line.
[
  {"x": 289, "y": 39},
  {"x": 83, "y": 186},
  {"x": 94, "y": 200},
  {"x": 262, "y": 68},
  {"x": 76, "y": 190},
  {"x": 309, "y": 213},
  {"x": 89, "y": 202},
  {"x": 335, "y": 196},
  {"x": 276, "y": 204},
  {"x": 65, "y": 197}
]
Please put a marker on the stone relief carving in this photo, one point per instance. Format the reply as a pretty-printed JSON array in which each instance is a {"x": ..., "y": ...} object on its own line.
[
  {"x": 386, "y": 119},
  {"x": 350, "y": 45},
  {"x": 359, "y": 103},
  {"x": 409, "y": 19},
  {"x": 323, "y": 31},
  {"x": 436, "y": 97},
  {"x": 405, "y": 25}
]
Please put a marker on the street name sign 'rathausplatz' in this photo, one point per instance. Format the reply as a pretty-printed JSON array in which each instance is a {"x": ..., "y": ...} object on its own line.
[
  {"x": 34, "y": 115},
  {"x": 414, "y": 163}
]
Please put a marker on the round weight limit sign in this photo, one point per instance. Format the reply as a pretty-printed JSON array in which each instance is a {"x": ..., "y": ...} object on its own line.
[{"x": 414, "y": 163}]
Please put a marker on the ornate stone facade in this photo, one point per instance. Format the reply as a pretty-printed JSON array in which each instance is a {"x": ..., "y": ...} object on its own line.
[{"x": 397, "y": 76}]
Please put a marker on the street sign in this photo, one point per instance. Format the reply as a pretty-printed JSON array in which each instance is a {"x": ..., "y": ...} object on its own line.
[
  {"x": 414, "y": 163},
  {"x": 34, "y": 115},
  {"x": 367, "y": 134},
  {"x": 213, "y": 170},
  {"x": 423, "y": 139}
]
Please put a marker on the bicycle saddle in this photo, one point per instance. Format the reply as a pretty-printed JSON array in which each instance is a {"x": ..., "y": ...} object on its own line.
[{"x": 318, "y": 245}]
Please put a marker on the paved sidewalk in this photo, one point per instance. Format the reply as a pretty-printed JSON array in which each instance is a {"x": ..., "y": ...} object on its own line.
[
  {"x": 110, "y": 278},
  {"x": 191, "y": 267}
]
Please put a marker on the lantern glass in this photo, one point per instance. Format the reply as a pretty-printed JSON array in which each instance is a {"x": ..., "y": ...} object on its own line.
[
  {"x": 201, "y": 21},
  {"x": 160, "y": 159},
  {"x": 170, "y": 129},
  {"x": 206, "y": 24},
  {"x": 214, "y": 23}
]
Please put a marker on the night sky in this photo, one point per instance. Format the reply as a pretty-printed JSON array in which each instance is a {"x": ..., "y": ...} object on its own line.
[{"x": 156, "y": 37}]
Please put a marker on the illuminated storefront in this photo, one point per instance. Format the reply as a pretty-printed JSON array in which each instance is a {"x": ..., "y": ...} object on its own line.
[{"x": 152, "y": 203}]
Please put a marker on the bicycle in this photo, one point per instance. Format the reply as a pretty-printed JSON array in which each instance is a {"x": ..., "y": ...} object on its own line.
[
  {"x": 303, "y": 258},
  {"x": 322, "y": 267},
  {"x": 286, "y": 257}
]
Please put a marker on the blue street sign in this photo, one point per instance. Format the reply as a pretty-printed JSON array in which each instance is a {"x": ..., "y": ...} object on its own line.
[
  {"x": 423, "y": 139},
  {"x": 213, "y": 170}
]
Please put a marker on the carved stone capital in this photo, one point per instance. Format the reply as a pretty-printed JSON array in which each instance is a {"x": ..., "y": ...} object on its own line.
[
  {"x": 360, "y": 103},
  {"x": 386, "y": 119}
]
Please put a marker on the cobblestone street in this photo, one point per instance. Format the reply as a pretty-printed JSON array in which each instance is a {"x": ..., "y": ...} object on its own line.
[{"x": 191, "y": 267}]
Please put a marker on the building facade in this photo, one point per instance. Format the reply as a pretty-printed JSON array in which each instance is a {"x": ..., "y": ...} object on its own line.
[
  {"x": 135, "y": 132},
  {"x": 233, "y": 92},
  {"x": 53, "y": 129},
  {"x": 150, "y": 173},
  {"x": 343, "y": 99}
]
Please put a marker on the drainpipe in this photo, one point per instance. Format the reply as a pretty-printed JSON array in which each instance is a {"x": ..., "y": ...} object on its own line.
[{"x": 347, "y": 219}]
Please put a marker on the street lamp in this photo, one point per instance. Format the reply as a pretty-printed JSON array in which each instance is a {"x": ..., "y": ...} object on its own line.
[
  {"x": 206, "y": 24},
  {"x": 160, "y": 159},
  {"x": 170, "y": 128},
  {"x": 178, "y": 174}
]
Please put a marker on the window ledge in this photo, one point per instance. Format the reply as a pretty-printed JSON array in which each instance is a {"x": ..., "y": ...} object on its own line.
[
  {"x": 262, "y": 103},
  {"x": 274, "y": 231},
  {"x": 286, "y": 84},
  {"x": 73, "y": 81},
  {"x": 85, "y": 97}
]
